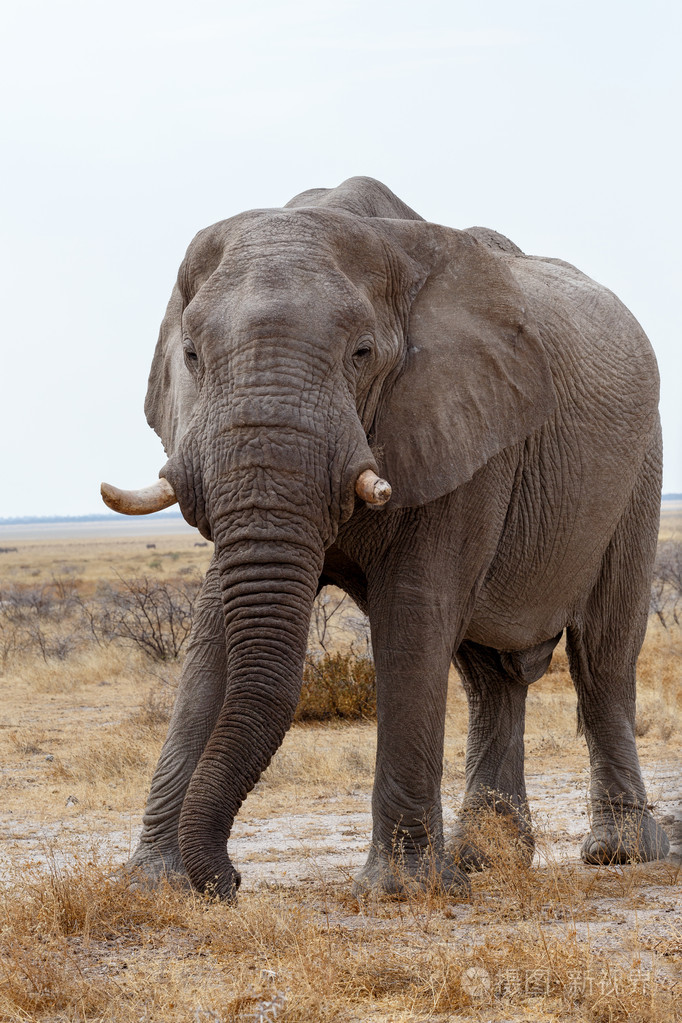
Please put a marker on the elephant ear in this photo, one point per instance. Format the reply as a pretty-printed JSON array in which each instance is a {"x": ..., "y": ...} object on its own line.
[
  {"x": 476, "y": 378},
  {"x": 171, "y": 391}
]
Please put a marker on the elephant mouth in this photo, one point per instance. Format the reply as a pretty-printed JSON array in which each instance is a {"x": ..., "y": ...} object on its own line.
[{"x": 369, "y": 487}]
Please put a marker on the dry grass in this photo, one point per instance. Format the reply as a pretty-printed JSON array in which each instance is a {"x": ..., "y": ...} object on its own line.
[
  {"x": 80, "y": 945},
  {"x": 339, "y": 685},
  {"x": 327, "y": 760},
  {"x": 95, "y": 561},
  {"x": 90, "y": 666},
  {"x": 671, "y": 521},
  {"x": 78, "y": 741}
]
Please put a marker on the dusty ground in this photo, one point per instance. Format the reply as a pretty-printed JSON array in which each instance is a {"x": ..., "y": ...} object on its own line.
[
  {"x": 561, "y": 941},
  {"x": 284, "y": 830}
]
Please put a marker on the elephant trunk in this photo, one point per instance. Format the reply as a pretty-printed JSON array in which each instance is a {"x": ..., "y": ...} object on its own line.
[
  {"x": 267, "y": 602},
  {"x": 273, "y": 509}
]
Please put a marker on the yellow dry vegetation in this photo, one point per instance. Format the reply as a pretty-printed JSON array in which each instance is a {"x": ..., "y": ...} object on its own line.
[
  {"x": 671, "y": 520},
  {"x": 80, "y": 945},
  {"x": 79, "y": 738},
  {"x": 92, "y": 561}
]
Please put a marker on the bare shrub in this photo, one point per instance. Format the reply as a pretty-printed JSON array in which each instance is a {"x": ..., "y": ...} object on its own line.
[
  {"x": 338, "y": 685},
  {"x": 666, "y": 588},
  {"x": 20, "y": 602},
  {"x": 37, "y": 618},
  {"x": 358, "y": 626},
  {"x": 56, "y": 644},
  {"x": 153, "y": 615},
  {"x": 64, "y": 590},
  {"x": 11, "y": 640},
  {"x": 325, "y": 609}
]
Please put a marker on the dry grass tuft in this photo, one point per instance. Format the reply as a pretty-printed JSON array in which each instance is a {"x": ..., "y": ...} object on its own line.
[
  {"x": 27, "y": 741},
  {"x": 330, "y": 759},
  {"x": 51, "y": 922},
  {"x": 337, "y": 685},
  {"x": 516, "y": 887}
]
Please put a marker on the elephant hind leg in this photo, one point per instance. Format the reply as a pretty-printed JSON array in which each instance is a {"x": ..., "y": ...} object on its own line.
[
  {"x": 494, "y": 761},
  {"x": 603, "y": 645}
]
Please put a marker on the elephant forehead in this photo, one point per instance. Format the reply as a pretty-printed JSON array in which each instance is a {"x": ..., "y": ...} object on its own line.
[
  {"x": 275, "y": 293},
  {"x": 285, "y": 244},
  {"x": 306, "y": 226}
]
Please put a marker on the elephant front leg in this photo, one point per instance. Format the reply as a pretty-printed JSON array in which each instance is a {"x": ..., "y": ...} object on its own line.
[
  {"x": 412, "y": 659},
  {"x": 200, "y": 696},
  {"x": 495, "y": 778}
]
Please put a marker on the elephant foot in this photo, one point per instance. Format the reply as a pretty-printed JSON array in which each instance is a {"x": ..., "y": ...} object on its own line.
[
  {"x": 401, "y": 875},
  {"x": 150, "y": 865},
  {"x": 624, "y": 835},
  {"x": 488, "y": 831}
]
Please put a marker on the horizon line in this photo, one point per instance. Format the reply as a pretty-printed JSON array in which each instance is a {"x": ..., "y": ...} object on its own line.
[{"x": 30, "y": 520}]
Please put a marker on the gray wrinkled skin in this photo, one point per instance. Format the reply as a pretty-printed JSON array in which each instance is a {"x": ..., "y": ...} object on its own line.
[{"x": 511, "y": 402}]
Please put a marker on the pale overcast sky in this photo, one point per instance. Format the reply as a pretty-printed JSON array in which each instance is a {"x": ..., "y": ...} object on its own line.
[{"x": 128, "y": 126}]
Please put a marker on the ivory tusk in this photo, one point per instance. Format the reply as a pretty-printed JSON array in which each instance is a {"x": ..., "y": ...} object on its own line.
[
  {"x": 372, "y": 489},
  {"x": 139, "y": 502}
]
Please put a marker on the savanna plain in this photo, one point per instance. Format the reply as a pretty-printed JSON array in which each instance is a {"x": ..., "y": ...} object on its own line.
[{"x": 92, "y": 633}]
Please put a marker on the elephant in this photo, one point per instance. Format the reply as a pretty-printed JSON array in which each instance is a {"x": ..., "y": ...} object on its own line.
[{"x": 462, "y": 437}]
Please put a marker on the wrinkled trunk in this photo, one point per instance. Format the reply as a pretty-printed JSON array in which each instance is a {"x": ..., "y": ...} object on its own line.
[
  {"x": 269, "y": 506},
  {"x": 268, "y": 601}
]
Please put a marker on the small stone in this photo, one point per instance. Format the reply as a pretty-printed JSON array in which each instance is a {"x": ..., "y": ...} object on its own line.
[{"x": 49, "y": 757}]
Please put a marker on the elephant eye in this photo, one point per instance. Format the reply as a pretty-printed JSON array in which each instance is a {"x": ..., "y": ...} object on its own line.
[
  {"x": 363, "y": 350},
  {"x": 191, "y": 357}
]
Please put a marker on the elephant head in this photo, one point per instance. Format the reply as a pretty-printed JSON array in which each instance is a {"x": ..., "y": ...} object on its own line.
[{"x": 306, "y": 353}]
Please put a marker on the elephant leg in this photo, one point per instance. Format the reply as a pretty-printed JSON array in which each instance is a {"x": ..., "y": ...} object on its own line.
[
  {"x": 495, "y": 753},
  {"x": 603, "y": 646},
  {"x": 412, "y": 648},
  {"x": 200, "y": 696}
]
